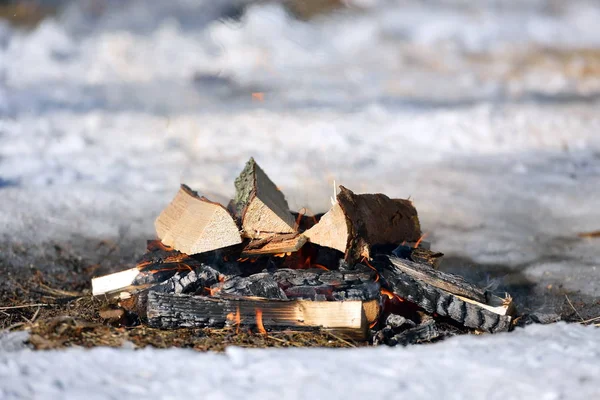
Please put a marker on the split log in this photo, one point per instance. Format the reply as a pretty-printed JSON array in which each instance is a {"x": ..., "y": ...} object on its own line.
[
  {"x": 260, "y": 205},
  {"x": 357, "y": 222},
  {"x": 303, "y": 284},
  {"x": 275, "y": 244},
  {"x": 411, "y": 283},
  {"x": 193, "y": 224},
  {"x": 168, "y": 311},
  {"x": 163, "y": 264}
]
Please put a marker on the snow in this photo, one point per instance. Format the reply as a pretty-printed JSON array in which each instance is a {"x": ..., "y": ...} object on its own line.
[
  {"x": 545, "y": 362},
  {"x": 485, "y": 114}
]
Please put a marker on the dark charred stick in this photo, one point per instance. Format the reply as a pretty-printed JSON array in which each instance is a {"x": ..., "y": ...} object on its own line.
[
  {"x": 432, "y": 299},
  {"x": 439, "y": 279}
]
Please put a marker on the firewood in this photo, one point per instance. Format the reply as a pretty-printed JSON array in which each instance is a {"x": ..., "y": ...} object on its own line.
[
  {"x": 275, "y": 244},
  {"x": 168, "y": 311},
  {"x": 193, "y": 224},
  {"x": 161, "y": 264},
  {"x": 493, "y": 314},
  {"x": 260, "y": 205},
  {"x": 303, "y": 284},
  {"x": 357, "y": 222},
  {"x": 424, "y": 332},
  {"x": 113, "y": 282},
  {"x": 442, "y": 280}
]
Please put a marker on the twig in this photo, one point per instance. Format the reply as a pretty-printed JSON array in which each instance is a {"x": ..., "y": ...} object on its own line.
[
  {"x": 593, "y": 234},
  {"x": 590, "y": 320},
  {"x": 13, "y": 326},
  {"x": 25, "y": 306},
  {"x": 277, "y": 339},
  {"x": 340, "y": 339},
  {"x": 35, "y": 315},
  {"x": 571, "y": 304}
]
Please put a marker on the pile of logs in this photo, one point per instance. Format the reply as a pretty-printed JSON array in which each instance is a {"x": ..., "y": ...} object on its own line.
[{"x": 361, "y": 269}]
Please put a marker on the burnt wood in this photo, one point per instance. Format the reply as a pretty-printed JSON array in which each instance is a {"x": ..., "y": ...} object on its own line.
[
  {"x": 449, "y": 282},
  {"x": 169, "y": 310},
  {"x": 434, "y": 300},
  {"x": 307, "y": 284},
  {"x": 422, "y": 333}
]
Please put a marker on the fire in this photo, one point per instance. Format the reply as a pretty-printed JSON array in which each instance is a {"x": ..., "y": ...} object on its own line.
[
  {"x": 258, "y": 96},
  {"x": 157, "y": 245},
  {"x": 259, "y": 322},
  {"x": 236, "y": 318},
  {"x": 423, "y": 236},
  {"x": 366, "y": 261},
  {"x": 299, "y": 218},
  {"x": 390, "y": 295},
  {"x": 213, "y": 290},
  {"x": 281, "y": 255}
]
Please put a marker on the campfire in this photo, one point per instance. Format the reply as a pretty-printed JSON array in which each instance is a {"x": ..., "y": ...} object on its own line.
[{"x": 361, "y": 270}]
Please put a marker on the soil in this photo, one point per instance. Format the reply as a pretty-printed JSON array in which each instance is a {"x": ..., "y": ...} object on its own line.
[{"x": 47, "y": 291}]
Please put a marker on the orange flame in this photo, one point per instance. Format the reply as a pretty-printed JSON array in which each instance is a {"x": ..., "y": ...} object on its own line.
[
  {"x": 366, "y": 261},
  {"x": 391, "y": 295},
  {"x": 320, "y": 266},
  {"x": 259, "y": 322},
  {"x": 213, "y": 290},
  {"x": 423, "y": 236},
  {"x": 236, "y": 318},
  {"x": 299, "y": 218},
  {"x": 258, "y": 96},
  {"x": 386, "y": 292}
]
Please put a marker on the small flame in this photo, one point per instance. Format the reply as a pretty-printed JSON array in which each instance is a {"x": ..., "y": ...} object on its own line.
[
  {"x": 366, "y": 261},
  {"x": 258, "y": 96},
  {"x": 324, "y": 268},
  {"x": 242, "y": 259},
  {"x": 299, "y": 218},
  {"x": 423, "y": 236},
  {"x": 157, "y": 245},
  {"x": 390, "y": 295},
  {"x": 236, "y": 318},
  {"x": 281, "y": 255},
  {"x": 213, "y": 290},
  {"x": 386, "y": 292},
  {"x": 259, "y": 322}
]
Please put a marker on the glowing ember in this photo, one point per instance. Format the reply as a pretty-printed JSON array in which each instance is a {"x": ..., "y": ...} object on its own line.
[{"x": 259, "y": 322}]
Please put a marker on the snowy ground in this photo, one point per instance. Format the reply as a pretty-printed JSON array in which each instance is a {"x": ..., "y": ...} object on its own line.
[{"x": 487, "y": 116}]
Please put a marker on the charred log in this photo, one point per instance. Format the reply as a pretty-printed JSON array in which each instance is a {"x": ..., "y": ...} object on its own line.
[
  {"x": 306, "y": 284},
  {"x": 408, "y": 283},
  {"x": 168, "y": 311}
]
